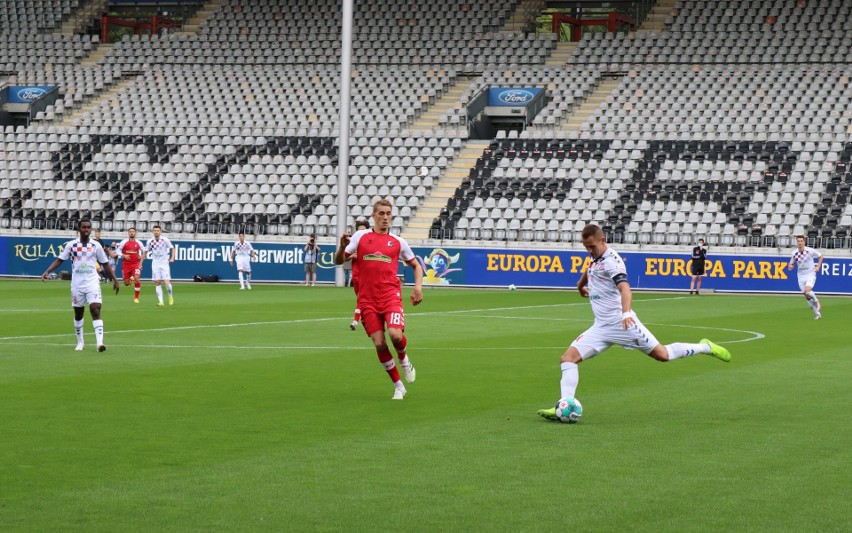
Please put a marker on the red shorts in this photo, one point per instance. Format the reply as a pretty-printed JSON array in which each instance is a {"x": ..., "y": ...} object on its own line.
[
  {"x": 374, "y": 316},
  {"x": 130, "y": 271}
]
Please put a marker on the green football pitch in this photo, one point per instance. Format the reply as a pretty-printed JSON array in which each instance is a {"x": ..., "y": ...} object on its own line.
[{"x": 261, "y": 410}]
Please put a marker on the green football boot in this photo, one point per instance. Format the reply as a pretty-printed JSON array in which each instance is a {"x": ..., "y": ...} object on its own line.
[
  {"x": 549, "y": 414},
  {"x": 717, "y": 351}
]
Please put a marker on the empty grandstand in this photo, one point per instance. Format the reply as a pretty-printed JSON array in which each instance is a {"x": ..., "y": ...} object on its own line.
[{"x": 732, "y": 122}]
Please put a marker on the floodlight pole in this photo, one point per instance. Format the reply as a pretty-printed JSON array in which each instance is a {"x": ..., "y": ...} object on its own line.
[{"x": 343, "y": 137}]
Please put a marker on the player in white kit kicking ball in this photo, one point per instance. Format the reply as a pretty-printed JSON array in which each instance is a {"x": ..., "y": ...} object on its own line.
[
  {"x": 605, "y": 284},
  {"x": 85, "y": 254}
]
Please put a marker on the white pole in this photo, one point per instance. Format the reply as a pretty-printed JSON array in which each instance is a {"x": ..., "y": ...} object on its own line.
[{"x": 343, "y": 138}]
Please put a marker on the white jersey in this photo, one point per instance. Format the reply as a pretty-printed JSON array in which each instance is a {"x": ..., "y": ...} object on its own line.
[
  {"x": 804, "y": 260},
  {"x": 604, "y": 273},
  {"x": 243, "y": 250},
  {"x": 159, "y": 251},
  {"x": 85, "y": 257}
]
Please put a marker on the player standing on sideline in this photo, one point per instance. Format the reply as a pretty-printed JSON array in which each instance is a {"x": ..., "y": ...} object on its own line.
[
  {"x": 353, "y": 275},
  {"x": 85, "y": 254},
  {"x": 605, "y": 284},
  {"x": 130, "y": 251},
  {"x": 806, "y": 274},
  {"x": 162, "y": 253},
  {"x": 379, "y": 295},
  {"x": 244, "y": 252},
  {"x": 699, "y": 256}
]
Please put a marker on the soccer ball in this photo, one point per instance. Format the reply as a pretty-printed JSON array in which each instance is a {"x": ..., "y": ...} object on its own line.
[
  {"x": 512, "y": 287},
  {"x": 569, "y": 410}
]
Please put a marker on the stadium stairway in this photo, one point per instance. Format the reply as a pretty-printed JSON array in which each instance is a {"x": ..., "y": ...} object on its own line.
[
  {"x": 451, "y": 99},
  {"x": 103, "y": 97},
  {"x": 80, "y": 19},
  {"x": 655, "y": 22},
  {"x": 524, "y": 16},
  {"x": 561, "y": 54},
  {"x": 98, "y": 53},
  {"x": 573, "y": 122},
  {"x": 201, "y": 16},
  {"x": 418, "y": 226}
]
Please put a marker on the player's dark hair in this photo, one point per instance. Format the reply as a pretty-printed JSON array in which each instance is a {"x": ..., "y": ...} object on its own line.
[
  {"x": 242, "y": 233},
  {"x": 131, "y": 228},
  {"x": 801, "y": 237},
  {"x": 83, "y": 221},
  {"x": 157, "y": 226},
  {"x": 362, "y": 223},
  {"x": 592, "y": 230}
]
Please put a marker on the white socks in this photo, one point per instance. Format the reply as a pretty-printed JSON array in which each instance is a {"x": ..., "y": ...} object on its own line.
[
  {"x": 684, "y": 349},
  {"x": 570, "y": 379},
  {"x": 813, "y": 303},
  {"x": 159, "y": 291},
  {"x": 169, "y": 288},
  {"x": 240, "y": 276},
  {"x": 99, "y": 332},
  {"x": 78, "y": 329}
]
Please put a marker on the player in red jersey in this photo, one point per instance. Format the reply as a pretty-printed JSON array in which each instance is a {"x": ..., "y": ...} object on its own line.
[
  {"x": 379, "y": 294},
  {"x": 130, "y": 251}
]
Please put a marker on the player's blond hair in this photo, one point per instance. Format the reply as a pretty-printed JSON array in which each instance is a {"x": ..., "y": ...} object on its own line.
[{"x": 384, "y": 201}]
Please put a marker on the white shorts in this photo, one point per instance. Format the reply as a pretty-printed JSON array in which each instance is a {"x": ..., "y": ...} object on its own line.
[
  {"x": 82, "y": 296},
  {"x": 599, "y": 337},
  {"x": 244, "y": 264},
  {"x": 161, "y": 273},
  {"x": 807, "y": 281}
]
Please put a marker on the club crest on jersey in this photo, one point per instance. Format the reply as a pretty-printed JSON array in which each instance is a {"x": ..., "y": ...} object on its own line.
[
  {"x": 377, "y": 256},
  {"x": 390, "y": 244}
]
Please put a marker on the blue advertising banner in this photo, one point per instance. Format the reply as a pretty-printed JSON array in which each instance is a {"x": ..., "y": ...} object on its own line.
[
  {"x": 25, "y": 95},
  {"x": 474, "y": 267},
  {"x": 512, "y": 96}
]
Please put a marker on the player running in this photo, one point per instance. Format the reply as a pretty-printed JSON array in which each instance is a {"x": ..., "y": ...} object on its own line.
[
  {"x": 379, "y": 295},
  {"x": 130, "y": 251},
  {"x": 605, "y": 284},
  {"x": 244, "y": 252},
  {"x": 803, "y": 256},
  {"x": 85, "y": 255},
  {"x": 162, "y": 253}
]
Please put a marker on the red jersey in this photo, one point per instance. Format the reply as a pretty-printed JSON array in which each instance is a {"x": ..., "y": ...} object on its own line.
[
  {"x": 133, "y": 249},
  {"x": 378, "y": 264}
]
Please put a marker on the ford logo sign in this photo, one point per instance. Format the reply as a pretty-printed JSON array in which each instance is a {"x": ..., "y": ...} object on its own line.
[
  {"x": 31, "y": 93},
  {"x": 515, "y": 96}
]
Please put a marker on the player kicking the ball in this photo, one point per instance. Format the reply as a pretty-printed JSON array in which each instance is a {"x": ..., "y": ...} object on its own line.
[
  {"x": 85, "y": 255},
  {"x": 130, "y": 251},
  {"x": 379, "y": 295},
  {"x": 604, "y": 283}
]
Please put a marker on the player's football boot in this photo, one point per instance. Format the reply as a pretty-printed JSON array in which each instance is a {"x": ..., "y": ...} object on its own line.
[
  {"x": 171, "y": 300},
  {"x": 160, "y": 304},
  {"x": 79, "y": 347},
  {"x": 102, "y": 348},
  {"x": 353, "y": 326},
  {"x": 136, "y": 300},
  {"x": 818, "y": 316},
  {"x": 717, "y": 351},
  {"x": 409, "y": 372},
  {"x": 248, "y": 287},
  {"x": 398, "y": 393},
  {"x": 549, "y": 414}
]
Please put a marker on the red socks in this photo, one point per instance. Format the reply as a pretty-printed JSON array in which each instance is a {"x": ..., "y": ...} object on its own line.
[{"x": 386, "y": 359}]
